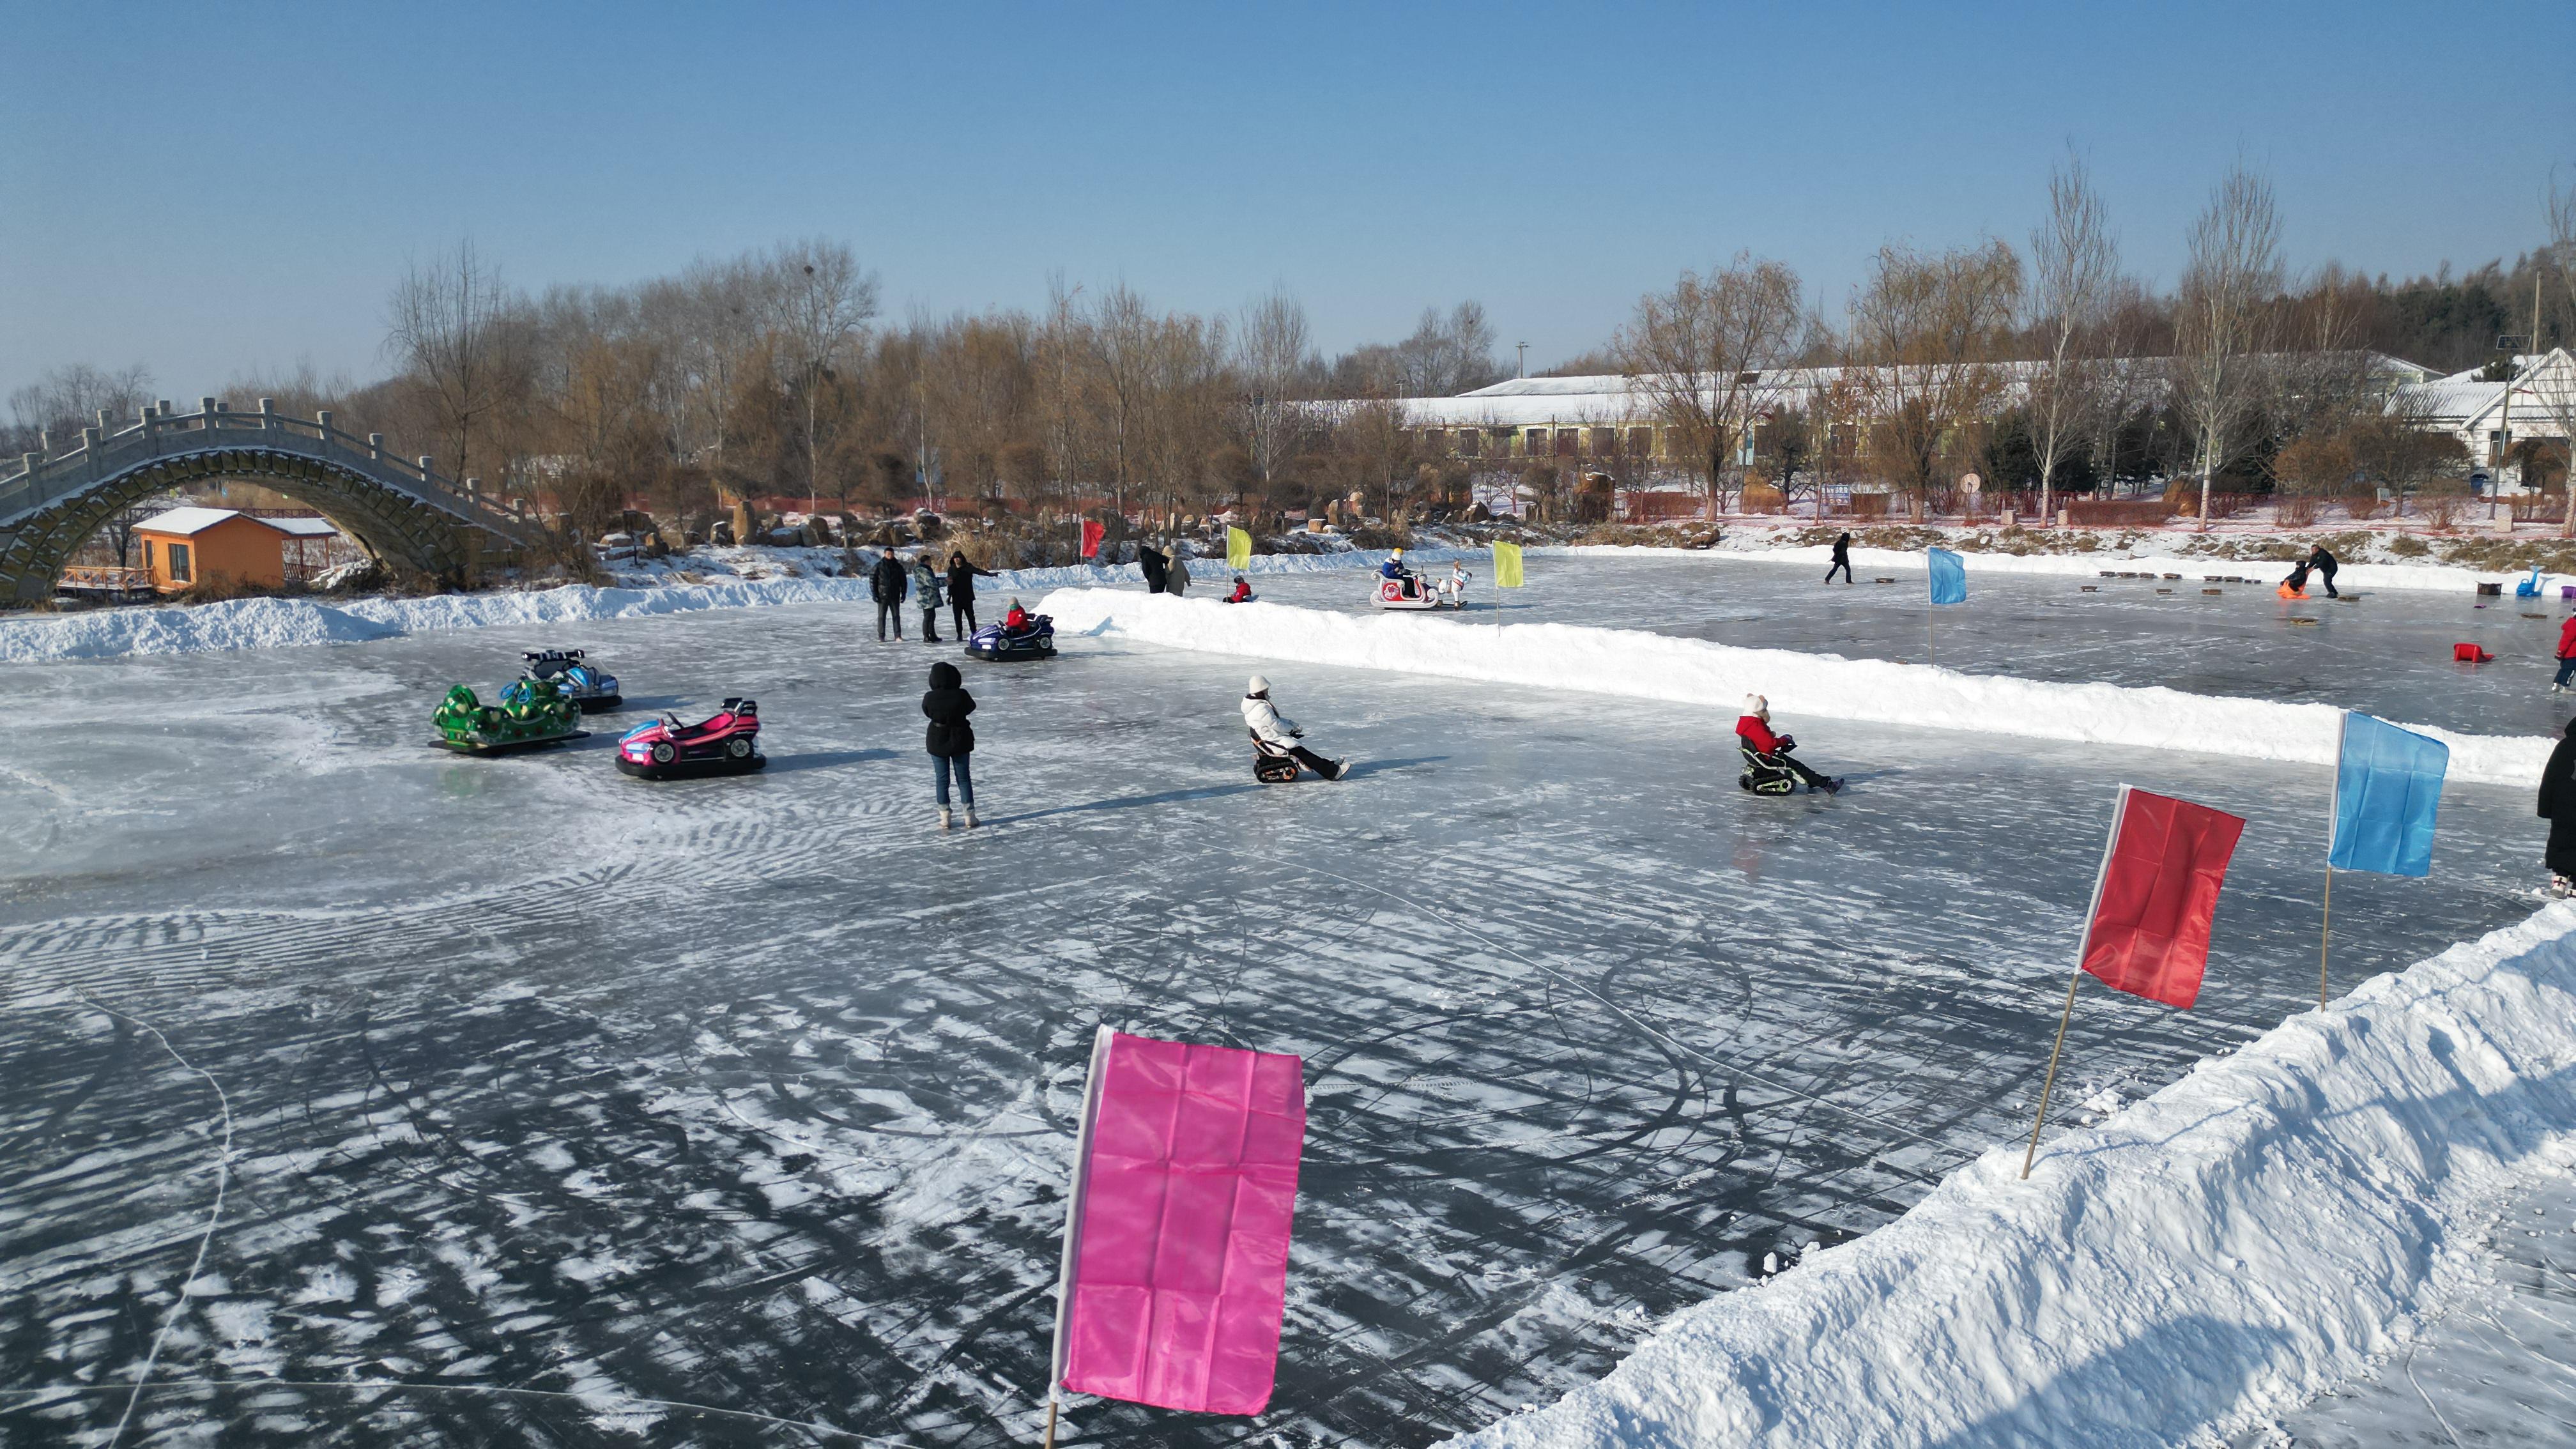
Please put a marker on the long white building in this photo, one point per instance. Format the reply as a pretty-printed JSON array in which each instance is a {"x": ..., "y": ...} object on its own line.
[{"x": 2472, "y": 409}]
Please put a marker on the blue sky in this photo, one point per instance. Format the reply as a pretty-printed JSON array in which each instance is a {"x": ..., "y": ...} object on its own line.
[{"x": 209, "y": 190}]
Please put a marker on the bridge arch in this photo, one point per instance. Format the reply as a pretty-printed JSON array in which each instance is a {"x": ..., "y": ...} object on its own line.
[{"x": 404, "y": 514}]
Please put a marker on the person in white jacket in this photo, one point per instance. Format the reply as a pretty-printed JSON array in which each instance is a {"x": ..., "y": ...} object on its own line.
[{"x": 1278, "y": 735}]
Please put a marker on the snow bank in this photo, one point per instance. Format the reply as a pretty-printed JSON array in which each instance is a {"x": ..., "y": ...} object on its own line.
[
  {"x": 2225, "y": 1250},
  {"x": 1718, "y": 676},
  {"x": 2428, "y": 578},
  {"x": 280, "y": 623}
]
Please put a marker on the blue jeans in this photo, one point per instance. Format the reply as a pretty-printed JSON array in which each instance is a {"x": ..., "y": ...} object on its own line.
[
  {"x": 965, "y": 779},
  {"x": 2566, "y": 667}
]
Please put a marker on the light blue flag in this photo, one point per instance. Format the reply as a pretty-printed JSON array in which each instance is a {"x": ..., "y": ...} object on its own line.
[
  {"x": 2388, "y": 789},
  {"x": 1949, "y": 577}
]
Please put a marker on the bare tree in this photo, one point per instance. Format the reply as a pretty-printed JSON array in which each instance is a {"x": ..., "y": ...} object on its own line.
[
  {"x": 823, "y": 301},
  {"x": 2222, "y": 320},
  {"x": 1694, "y": 355},
  {"x": 1930, "y": 330},
  {"x": 1274, "y": 358},
  {"x": 450, "y": 324},
  {"x": 2074, "y": 261},
  {"x": 2553, "y": 382},
  {"x": 64, "y": 400}
]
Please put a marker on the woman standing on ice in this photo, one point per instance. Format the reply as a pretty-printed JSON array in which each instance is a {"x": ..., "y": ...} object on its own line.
[
  {"x": 925, "y": 592},
  {"x": 1842, "y": 559},
  {"x": 951, "y": 739},
  {"x": 2558, "y": 807},
  {"x": 1280, "y": 734}
]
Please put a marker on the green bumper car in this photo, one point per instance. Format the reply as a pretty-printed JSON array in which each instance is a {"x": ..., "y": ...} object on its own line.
[{"x": 532, "y": 714}]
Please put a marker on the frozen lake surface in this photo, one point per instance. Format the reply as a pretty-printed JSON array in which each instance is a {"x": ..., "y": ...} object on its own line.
[
  {"x": 756, "y": 1094},
  {"x": 2388, "y": 653}
]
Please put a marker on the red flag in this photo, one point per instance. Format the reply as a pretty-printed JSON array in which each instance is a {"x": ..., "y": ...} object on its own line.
[
  {"x": 2158, "y": 891},
  {"x": 1091, "y": 534}
]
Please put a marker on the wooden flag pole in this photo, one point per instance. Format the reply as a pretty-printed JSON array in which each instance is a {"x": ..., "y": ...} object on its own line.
[
  {"x": 2050, "y": 1085},
  {"x": 2325, "y": 935},
  {"x": 1050, "y": 1432}
]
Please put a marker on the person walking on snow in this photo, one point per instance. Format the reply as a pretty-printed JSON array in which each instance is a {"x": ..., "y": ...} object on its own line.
[
  {"x": 1177, "y": 581},
  {"x": 1842, "y": 559},
  {"x": 2566, "y": 655},
  {"x": 925, "y": 592},
  {"x": 1156, "y": 567},
  {"x": 2558, "y": 807},
  {"x": 1754, "y": 729},
  {"x": 961, "y": 592},
  {"x": 2324, "y": 563},
  {"x": 1280, "y": 733},
  {"x": 886, "y": 586},
  {"x": 951, "y": 739}
]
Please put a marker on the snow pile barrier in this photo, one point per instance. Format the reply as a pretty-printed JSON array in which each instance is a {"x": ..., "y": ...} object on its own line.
[
  {"x": 1716, "y": 677},
  {"x": 2217, "y": 1254},
  {"x": 286, "y": 623}
]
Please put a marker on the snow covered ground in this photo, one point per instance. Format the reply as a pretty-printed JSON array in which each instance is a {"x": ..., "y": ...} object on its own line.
[{"x": 565, "y": 1106}]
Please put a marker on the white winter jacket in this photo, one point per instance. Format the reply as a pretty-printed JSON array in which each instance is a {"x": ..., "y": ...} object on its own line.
[{"x": 1266, "y": 722}]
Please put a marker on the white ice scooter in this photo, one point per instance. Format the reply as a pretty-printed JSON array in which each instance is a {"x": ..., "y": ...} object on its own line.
[{"x": 1412, "y": 591}]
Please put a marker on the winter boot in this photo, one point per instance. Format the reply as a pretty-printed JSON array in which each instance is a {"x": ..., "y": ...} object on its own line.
[
  {"x": 944, "y": 822},
  {"x": 2560, "y": 887},
  {"x": 971, "y": 821},
  {"x": 1833, "y": 786}
]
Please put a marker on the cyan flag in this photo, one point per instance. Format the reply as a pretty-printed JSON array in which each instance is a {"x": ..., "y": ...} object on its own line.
[
  {"x": 2388, "y": 789},
  {"x": 1949, "y": 577}
]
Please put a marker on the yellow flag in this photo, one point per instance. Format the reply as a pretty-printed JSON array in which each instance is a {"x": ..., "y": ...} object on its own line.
[
  {"x": 1507, "y": 565},
  {"x": 1238, "y": 549}
]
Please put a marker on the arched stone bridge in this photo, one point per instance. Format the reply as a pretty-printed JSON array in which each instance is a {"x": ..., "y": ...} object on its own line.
[{"x": 401, "y": 511}]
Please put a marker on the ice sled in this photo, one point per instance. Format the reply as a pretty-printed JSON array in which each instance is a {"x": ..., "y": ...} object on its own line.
[
  {"x": 1415, "y": 592},
  {"x": 584, "y": 683},
  {"x": 999, "y": 645},
  {"x": 1764, "y": 774},
  {"x": 2470, "y": 654},
  {"x": 725, "y": 743},
  {"x": 531, "y": 714}
]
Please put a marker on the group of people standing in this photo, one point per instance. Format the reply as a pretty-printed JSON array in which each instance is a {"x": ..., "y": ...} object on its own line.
[{"x": 889, "y": 582}]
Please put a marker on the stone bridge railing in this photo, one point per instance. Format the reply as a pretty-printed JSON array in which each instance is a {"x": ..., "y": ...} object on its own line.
[{"x": 42, "y": 481}]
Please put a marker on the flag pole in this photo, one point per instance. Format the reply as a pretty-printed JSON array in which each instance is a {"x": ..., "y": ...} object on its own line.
[
  {"x": 2050, "y": 1085},
  {"x": 2119, "y": 813},
  {"x": 1073, "y": 1222},
  {"x": 2325, "y": 934}
]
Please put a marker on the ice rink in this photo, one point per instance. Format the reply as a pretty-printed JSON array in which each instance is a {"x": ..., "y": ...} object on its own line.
[
  {"x": 565, "y": 1108},
  {"x": 2388, "y": 652}
]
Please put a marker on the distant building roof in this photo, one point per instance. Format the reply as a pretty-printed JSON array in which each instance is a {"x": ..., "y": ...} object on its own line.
[{"x": 191, "y": 521}]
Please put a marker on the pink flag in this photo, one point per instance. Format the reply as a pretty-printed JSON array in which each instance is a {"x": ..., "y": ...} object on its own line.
[{"x": 1176, "y": 1237}]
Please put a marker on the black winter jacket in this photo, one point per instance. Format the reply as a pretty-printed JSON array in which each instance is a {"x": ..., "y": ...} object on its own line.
[
  {"x": 885, "y": 581},
  {"x": 1156, "y": 567},
  {"x": 948, "y": 704},
  {"x": 2322, "y": 561},
  {"x": 2558, "y": 784},
  {"x": 961, "y": 580}
]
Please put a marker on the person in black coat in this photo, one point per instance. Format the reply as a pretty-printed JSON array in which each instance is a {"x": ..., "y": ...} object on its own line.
[
  {"x": 2324, "y": 563},
  {"x": 1842, "y": 559},
  {"x": 950, "y": 740},
  {"x": 2558, "y": 807},
  {"x": 886, "y": 585},
  {"x": 1156, "y": 567},
  {"x": 961, "y": 592}
]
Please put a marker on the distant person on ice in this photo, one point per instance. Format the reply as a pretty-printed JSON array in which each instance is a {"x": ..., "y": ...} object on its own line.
[
  {"x": 925, "y": 592},
  {"x": 1772, "y": 750},
  {"x": 1242, "y": 591},
  {"x": 2324, "y": 564},
  {"x": 2566, "y": 655},
  {"x": 1280, "y": 733},
  {"x": 951, "y": 739},
  {"x": 1156, "y": 568},
  {"x": 1842, "y": 559},
  {"x": 1017, "y": 619},
  {"x": 961, "y": 592},
  {"x": 1394, "y": 567},
  {"x": 1176, "y": 581},
  {"x": 885, "y": 585}
]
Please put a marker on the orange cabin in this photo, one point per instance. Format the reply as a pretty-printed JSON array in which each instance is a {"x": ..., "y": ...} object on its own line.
[{"x": 189, "y": 546}]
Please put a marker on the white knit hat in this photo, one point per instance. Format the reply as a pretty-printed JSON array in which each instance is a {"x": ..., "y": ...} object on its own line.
[
  {"x": 1756, "y": 704},
  {"x": 1258, "y": 684}
]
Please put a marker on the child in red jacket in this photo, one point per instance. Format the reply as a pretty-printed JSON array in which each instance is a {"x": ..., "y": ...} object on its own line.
[
  {"x": 1771, "y": 751},
  {"x": 2566, "y": 654}
]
